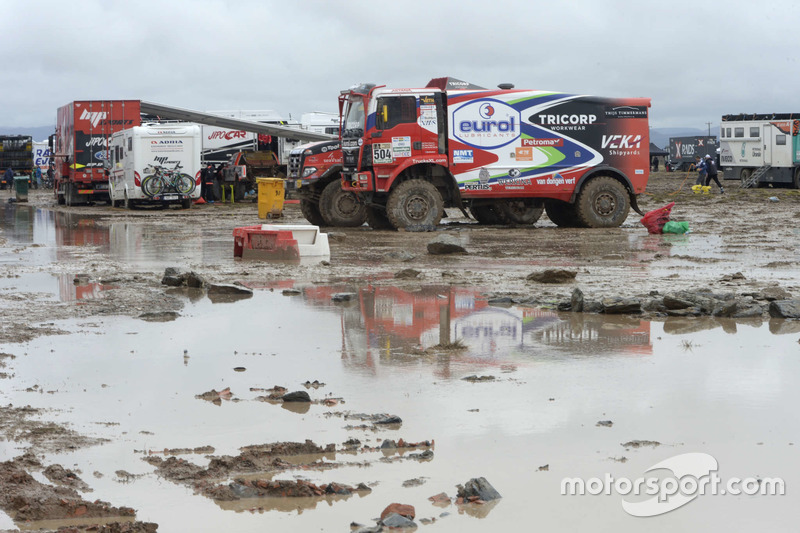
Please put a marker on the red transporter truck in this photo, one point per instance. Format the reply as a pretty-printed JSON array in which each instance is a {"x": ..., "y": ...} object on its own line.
[
  {"x": 83, "y": 129},
  {"x": 505, "y": 154}
]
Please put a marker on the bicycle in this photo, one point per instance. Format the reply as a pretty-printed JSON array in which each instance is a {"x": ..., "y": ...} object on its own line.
[{"x": 163, "y": 180}]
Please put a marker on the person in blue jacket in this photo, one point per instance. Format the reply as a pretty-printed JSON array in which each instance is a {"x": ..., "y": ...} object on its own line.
[
  {"x": 8, "y": 178},
  {"x": 700, "y": 166}
]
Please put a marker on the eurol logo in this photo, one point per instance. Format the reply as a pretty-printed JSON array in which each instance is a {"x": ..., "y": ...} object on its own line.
[{"x": 486, "y": 123}]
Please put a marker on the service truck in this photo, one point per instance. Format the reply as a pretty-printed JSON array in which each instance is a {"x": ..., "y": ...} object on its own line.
[
  {"x": 506, "y": 154},
  {"x": 140, "y": 154},
  {"x": 83, "y": 129},
  {"x": 314, "y": 176},
  {"x": 16, "y": 153},
  {"x": 761, "y": 149},
  {"x": 682, "y": 151}
]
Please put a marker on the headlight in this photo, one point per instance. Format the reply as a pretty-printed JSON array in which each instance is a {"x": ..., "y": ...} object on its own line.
[{"x": 308, "y": 171}]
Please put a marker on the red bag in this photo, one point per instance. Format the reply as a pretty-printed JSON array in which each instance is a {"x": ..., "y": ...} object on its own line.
[{"x": 654, "y": 220}]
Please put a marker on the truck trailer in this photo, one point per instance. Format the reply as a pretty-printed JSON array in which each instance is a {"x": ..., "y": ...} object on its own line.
[
  {"x": 16, "y": 153},
  {"x": 761, "y": 149},
  {"x": 167, "y": 152},
  {"x": 83, "y": 129},
  {"x": 682, "y": 151},
  {"x": 506, "y": 154}
]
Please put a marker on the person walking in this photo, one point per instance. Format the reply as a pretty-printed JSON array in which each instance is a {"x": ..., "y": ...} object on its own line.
[
  {"x": 38, "y": 177},
  {"x": 711, "y": 173},
  {"x": 655, "y": 163},
  {"x": 208, "y": 184},
  {"x": 700, "y": 167},
  {"x": 8, "y": 179}
]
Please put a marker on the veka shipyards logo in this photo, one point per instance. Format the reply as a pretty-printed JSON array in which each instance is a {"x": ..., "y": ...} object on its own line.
[
  {"x": 622, "y": 144},
  {"x": 486, "y": 123},
  {"x": 684, "y": 477}
]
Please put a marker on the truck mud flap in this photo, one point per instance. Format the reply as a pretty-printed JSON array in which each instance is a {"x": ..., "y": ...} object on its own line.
[{"x": 635, "y": 205}]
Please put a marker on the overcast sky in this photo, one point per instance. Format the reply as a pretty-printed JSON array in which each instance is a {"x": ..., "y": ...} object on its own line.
[{"x": 696, "y": 60}]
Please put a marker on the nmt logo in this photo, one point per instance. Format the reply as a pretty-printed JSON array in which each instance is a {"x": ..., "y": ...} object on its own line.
[{"x": 486, "y": 123}]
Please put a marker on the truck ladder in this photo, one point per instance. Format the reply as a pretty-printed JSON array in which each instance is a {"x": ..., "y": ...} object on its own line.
[{"x": 753, "y": 178}]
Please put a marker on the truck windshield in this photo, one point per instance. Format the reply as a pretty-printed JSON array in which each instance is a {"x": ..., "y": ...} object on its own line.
[{"x": 354, "y": 119}]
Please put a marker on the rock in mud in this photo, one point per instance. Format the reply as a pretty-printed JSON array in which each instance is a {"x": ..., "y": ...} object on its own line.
[
  {"x": 407, "y": 273},
  {"x": 399, "y": 508},
  {"x": 774, "y": 293},
  {"x": 576, "y": 301},
  {"x": 784, "y": 309},
  {"x": 553, "y": 275},
  {"x": 61, "y": 476},
  {"x": 640, "y": 443},
  {"x": 605, "y": 423},
  {"x": 291, "y": 292},
  {"x": 394, "y": 419},
  {"x": 621, "y": 306},
  {"x": 337, "y": 236},
  {"x": 400, "y": 255},
  {"x": 229, "y": 290},
  {"x": 395, "y": 520},
  {"x": 477, "y": 489},
  {"x": 478, "y": 379},
  {"x": 159, "y": 316},
  {"x": 296, "y": 396},
  {"x": 446, "y": 244}
]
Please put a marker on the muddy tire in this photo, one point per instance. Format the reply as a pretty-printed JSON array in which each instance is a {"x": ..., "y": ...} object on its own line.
[
  {"x": 311, "y": 212},
  {"x": 377, "y": 219},
  {"x": 744, "y": 175},
  {"x": 524, "y": 211},
  {"x": 127, "y": 203},
  {"x": 341, "y": 208},
  {"x": 796, "y": 178},
  {"x": 562, "y": 214},
  {"x": 602, "y": 203},
  {"x": 486, "y": 214},
  {"x": 414, "y": 203},
  {"x": 186, "y": 203}
]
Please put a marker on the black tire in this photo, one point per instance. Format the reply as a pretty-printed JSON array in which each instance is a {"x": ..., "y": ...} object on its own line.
[
  {"x": 562, "y": 214},
  {"x": 486, "y": 214},
  {"x": 602, "y": 203},
  {"x": 151, "y": 186},
  {"x": 341, "y": 208},
  {"x": 414, "y": 203},
  {"x": 186, "y": 203},
  {"x": 311, "y": 212},
  {"x": 60, "y": 199},
  {"x": 127, "y": 203},
  {"x": 796, "y": 178},
  {"x": 526, "y": 211},
  {"x": 744, "y": 175},
  {"x": 377, "y": 219}
]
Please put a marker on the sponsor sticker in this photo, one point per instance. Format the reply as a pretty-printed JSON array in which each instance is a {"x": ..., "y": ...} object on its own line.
[
  {"x": 524, "y": 154},
  {"x": 401, "y": 147},
  {"x": 626, "y": 111},
  {"x": 543, "y": 142},
  {"x": 382, "y": 153},
  {"x": 486, "y": 123},
  {"x": 462, "y": 156}
]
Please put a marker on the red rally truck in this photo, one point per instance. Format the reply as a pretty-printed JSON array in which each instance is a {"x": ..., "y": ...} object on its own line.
[
  {"x": 505, "y": 154},
  {"x": 83, "y": 129}
]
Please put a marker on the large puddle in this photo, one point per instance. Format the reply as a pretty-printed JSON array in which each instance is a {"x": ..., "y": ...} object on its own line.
[
  {"x": 555, "y": 377},
  {"x": 719, "y": 387}
]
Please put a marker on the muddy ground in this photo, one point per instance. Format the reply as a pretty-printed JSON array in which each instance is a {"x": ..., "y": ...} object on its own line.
[{"x": 741, "y": 242}]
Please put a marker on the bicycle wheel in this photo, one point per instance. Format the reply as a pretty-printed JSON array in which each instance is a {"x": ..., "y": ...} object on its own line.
[
  {"x": 185, "y": 184},
  {"x": 152, "y": 185}
]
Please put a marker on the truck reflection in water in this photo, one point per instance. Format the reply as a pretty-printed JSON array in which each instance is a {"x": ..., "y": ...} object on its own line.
[{"x": 393, "y": 326}]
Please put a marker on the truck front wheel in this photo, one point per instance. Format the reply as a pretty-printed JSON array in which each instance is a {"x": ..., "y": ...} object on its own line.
[
  {"x": 522, "y": 211},
  {"x": 602, "y": 203},
  {"x": 341, "y": 208},
  {"x": 486, "y": 214},
  {"x": 311, "y": 212},
  {"x": 414, "y": 203}
]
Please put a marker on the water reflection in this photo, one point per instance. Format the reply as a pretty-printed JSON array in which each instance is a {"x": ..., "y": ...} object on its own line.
[{"x": 393, "y": 325}]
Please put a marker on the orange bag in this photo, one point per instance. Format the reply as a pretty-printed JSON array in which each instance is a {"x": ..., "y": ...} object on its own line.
[{"x": 654, "y": 220}]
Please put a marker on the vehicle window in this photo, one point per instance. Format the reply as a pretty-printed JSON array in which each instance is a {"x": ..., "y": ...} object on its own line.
[
  {"x": 780, "y": 139},
  {"x": 728, "y": 132},
  {"x": 130, "y": 144},
  {"x": 754, "y": 132},
  {"x": 400, "y": 110},
  {"x": 738, "y": 132}
]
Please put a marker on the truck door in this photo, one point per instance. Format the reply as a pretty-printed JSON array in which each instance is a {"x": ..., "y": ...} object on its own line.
[{"x": 767, "y": 143}]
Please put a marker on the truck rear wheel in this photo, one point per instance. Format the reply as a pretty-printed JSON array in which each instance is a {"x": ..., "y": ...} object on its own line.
[
  {"x": 377, "y": 219},
  {"x": 602, "y": 203},
  {"x": 414, "y": 203},
  {"x": 525, "y": 211},
  {"x": 562, "y": 214},
  {"x": 486, "y": 214},
  {"x": 311, "y": 212},
  {"x": 341, "y": 208}
]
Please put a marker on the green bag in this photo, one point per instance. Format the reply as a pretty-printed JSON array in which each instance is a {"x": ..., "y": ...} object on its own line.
[{"x": 675, "y": 227}]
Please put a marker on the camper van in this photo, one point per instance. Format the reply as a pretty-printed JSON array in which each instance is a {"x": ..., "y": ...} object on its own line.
[{"x": 155, "y": 164}]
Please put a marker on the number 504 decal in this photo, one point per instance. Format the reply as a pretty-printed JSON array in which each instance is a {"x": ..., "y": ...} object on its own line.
[{"x": 382, "y": 153}]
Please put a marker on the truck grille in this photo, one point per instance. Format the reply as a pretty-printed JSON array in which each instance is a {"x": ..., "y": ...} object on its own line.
[{"x": 295, "y": 161}]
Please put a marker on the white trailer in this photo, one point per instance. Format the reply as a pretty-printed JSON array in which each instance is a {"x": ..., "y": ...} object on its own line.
[
  {"x": 137, "y": 153},
  {"x": 761, "y": 149}
]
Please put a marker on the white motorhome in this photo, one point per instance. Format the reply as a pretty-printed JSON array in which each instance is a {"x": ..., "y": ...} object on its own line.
[
  {"x": 137, "y": 153},
  {"x": 761, "y": 149}
]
